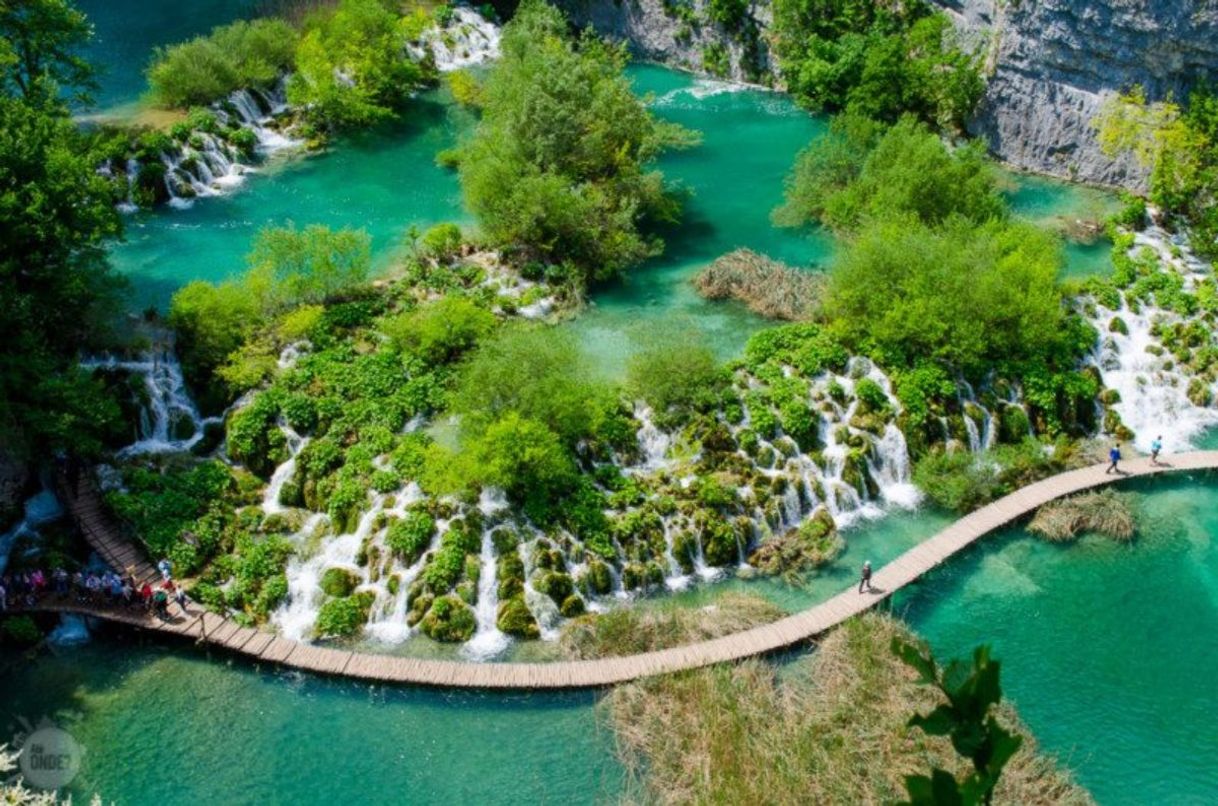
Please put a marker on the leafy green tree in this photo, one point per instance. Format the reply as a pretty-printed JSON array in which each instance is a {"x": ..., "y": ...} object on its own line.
[
  {"x": 671, "y": 375},
  {"x": 856, "y": 175},
  {"x": 40, "y": 43},
  {"x": 558, "y": 162},
  {"x": 880, "y": 60},
  {"x": 56, "y": 289},
  {"x": 352, "y": 68},
  {"x": 527, "y": 459},
  {"x": 966, "y": 295},
  {"x": 972, "y": 692},
  {"x": 240, "y": 55}
]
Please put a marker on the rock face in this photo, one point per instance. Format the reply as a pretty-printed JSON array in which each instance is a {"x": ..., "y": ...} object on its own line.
[
  {"x": 1052, "y": 63},
  {"x": 657, "y": 34}
]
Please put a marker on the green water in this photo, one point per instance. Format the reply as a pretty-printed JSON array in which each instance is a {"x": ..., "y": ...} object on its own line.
[
  {"x": 126, "y": 31},
  {"x": 173, "y": 725},
  {"x": 1106, "y": 650}
]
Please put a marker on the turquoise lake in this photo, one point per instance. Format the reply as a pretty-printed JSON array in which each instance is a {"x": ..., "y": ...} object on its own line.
[{"x": 1105, "y": 648}]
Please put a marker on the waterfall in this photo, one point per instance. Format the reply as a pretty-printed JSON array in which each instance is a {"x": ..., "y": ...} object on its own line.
[
  {"x": 653, "y": 443},
  {"x": 283, "y": 474},
  {"x": 891, "y": 469},
  {"x": 171, "y": 422},
  {"x": 71, "y": 631},
  {"x": 39, "y": 509},
  {"x": 488, "y": 641},
  {"x": 1154, "y": 389},
  {"x": 467, "y": 40}
]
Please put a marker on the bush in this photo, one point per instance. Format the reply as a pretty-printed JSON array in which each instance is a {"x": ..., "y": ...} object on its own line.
[
  {"x": 449, "y": 619},
  {"x": 557, "y": 163},
  {"x": 442, "y": 330},
  {"x": 514, "y": 618},
  {"x": 441, "y": 241},
  {"x": 237, "y": 56},
  {"x": 345, "y": 616},
  {"x": 352, "y": 67},
  {"x": 409, "y": 537}
]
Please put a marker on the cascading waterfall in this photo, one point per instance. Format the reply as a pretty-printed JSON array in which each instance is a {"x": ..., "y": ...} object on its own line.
[
  {"x": 39, "y": 509},
  {"x": 1153, "y": 387},
  {"x": 468, "y": 39},
  {"x": 488, "y": 641},
  {"x": 171, "y": 422},
  {"x": 283, "y": 474}
]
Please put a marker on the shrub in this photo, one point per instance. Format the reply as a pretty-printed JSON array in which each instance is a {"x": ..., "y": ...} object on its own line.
[
  {"x": 409, "y": 537},
  {"x": 440, "y": 331},
  {"x": 514, "y": 618},
  {"x": 449, "y": 619},
  {"x": 339, "y": 582},
  {"x": 232, "y": 57},
  {"x": 532, "y": 174},
  {"x": 344, "y": 616},
  {"x": 675, "y": 373}
]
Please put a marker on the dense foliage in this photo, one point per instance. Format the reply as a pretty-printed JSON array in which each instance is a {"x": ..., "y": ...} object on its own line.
[
  {"x": 352, "y": 65},
  {"x": 1179, "y": 146},
  {"x": 288, "y": 267},
  {"x": 56, "y": 212},
  {"x": 240, "y": 55},
  {"x": 557, "y": 165},
  {"x": 879, "y": 60}
]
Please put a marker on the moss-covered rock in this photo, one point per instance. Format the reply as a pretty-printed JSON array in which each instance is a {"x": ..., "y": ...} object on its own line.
[
  {"x": 1199, "y": 393},
  {"x": 1117, "y": 325},
  {"x": 572, "y": 606},
  {"x": 344, "y": 616},
  {"x": 555, "y": 584},
  {"x": 1013, "y": 424},
  {"x": 813, "y": 544},
  {"x": 339, "y": 581},
  {"x": 449, "y": 619},
  {"x": 514, "y": 618},
  {"x": 598, "y": 578}
]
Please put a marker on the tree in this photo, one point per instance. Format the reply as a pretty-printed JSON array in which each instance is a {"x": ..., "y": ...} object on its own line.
[
  {"x": 972, "y": 691},
  {"x": 40, "y": 42},
  {"x": 557, "y": 163},
  {"x": 56, "y": 289},
  {"x": 290, "y": 266},
  {"x": 856, "y": 175},
  {"x": 351, "y": 66}
]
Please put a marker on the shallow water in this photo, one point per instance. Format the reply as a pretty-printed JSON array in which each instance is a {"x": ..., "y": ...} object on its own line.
[
  {"x": 1106, "y": 650},
  {"x": 175, "y": 725}
]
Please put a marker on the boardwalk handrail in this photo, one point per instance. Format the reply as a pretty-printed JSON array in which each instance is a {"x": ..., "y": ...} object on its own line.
[{"x": 208, "y": 627}]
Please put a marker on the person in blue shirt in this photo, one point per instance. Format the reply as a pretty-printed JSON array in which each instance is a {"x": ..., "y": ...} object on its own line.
[
  {"x": 1155, "y": 447},
  {"x": 1114, "y": 456}
]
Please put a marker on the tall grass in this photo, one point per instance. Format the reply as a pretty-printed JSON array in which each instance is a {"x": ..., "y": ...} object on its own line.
[
  {"x": 766, "y": 286},
  {"x": 634, "y": 630},
  {"x": 1106, "y": 512},
  {"x": 828, "y": 729}
]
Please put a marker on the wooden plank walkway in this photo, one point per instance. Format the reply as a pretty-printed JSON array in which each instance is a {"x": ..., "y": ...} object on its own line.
[{"x": 107, "y": 539}]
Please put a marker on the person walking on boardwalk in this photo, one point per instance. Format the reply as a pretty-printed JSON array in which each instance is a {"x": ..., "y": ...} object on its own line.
[
  {"x": 1155, "y": 448},
  {"x": 1114, "y": 456},
  {"x": 866, "y": 577}
]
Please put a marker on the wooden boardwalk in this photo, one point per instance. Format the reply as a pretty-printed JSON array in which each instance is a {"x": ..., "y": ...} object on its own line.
[{"x": 106, "y": 538}]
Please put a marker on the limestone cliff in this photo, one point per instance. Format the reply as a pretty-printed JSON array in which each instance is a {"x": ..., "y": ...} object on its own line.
[
  {"x": 1054, "y": 61},
  {"x": 1051, "y": 63}
]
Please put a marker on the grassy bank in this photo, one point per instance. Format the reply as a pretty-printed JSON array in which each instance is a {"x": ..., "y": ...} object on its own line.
[{"x": 830, "y": 728}]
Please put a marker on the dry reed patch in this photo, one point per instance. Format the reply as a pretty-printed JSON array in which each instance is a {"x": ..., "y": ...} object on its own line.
[
  {"x": 766, "y": 286},
  {"x": 832, "y": 731},
  {"x": 1105, "y": 512},
  {"x": 630, "y": 631}
]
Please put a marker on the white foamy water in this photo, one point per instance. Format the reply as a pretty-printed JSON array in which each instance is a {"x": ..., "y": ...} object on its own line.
[
  {"x": 488, "y": 641},
  {"x": 469, "y": 39}
]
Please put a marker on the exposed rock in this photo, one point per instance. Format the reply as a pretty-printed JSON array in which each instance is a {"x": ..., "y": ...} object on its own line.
[{"x": 1051, "y": 65}]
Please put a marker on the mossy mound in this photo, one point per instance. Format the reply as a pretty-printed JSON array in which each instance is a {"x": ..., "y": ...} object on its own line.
[
  {"x": 339, "y": 582},
  {"x": 449, "y": 619},
  {"x": 813, "y": 544},
  {"x": 344, "y": 616},
  {"x": 514, "y": 618}
]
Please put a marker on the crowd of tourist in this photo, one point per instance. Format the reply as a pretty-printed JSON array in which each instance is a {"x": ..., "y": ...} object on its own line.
[{"x": 91, "y": 588}]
